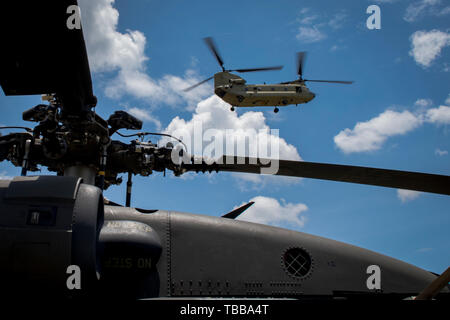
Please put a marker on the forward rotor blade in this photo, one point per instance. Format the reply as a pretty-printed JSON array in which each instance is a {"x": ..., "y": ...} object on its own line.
[
  {"x": 258, "y": 69},
  {"x": 301, "y": 57},
  {"x": 42, "y": 55},
  {"x": 364, "y": 175},
  {"x": 331, "y": 81},
  {"x": 196, "y": 85},
  {"x": 210, "y": 43}
]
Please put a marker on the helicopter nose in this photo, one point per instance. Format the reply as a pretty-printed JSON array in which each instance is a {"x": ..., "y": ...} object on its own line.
[{"x": 311, "y": 96}]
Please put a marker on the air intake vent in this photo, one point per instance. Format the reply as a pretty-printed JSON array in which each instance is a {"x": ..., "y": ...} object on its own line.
[{"x": 297, "y": 262}]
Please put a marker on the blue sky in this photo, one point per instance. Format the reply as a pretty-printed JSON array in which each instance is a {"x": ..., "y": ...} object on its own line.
[{"x": 396, "y": 115}]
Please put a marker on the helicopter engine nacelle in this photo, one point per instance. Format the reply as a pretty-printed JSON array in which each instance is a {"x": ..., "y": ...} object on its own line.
[
  {"x": 237, "y": 81},
  {"x": 49, "y": 229},
  {"x": 226, "y": 78}
]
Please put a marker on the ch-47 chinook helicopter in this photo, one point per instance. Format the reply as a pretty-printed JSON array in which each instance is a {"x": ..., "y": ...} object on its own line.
[
  {"x": 235, "y": 90},
  {"x": 52, "y": 226}
]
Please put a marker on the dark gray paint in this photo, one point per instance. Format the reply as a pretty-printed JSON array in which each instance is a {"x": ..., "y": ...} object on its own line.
[{"x": 212, "y": 256}]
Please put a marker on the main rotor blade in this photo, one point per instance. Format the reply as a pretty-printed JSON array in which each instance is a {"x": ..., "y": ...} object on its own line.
[
  {"x": 435, "y": 287},
  {"x": 196, "y": 85},
  {"x": 331, "y": 81},
  {"x": 41, "y": 55},
  {"x": 301, "y": 57},
  {"x": 364, "y": 175},
  {"x": 257, "y": 69},
  {"x": 210, "y": 43}
]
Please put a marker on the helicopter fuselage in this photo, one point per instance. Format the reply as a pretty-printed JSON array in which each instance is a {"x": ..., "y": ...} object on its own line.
[
  {"x": 234, "y": 90},
  {"x": 52, "y": 223}
]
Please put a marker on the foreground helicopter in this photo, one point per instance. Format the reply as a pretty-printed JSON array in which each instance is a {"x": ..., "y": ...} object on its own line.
[
  {"x": 235, "y": 90},
  {"x": 52, "y": 226}
]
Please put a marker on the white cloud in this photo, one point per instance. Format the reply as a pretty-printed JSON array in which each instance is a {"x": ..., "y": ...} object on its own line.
[
  {"x": 407, "y": 195},
  {"x": 444, "y": 11},
  {"x": 4, "y": 176},
  {"x": 214, "y": 115},
  {"x": 313, "y": 26},
  {"x": 337, "y": 20},
  {"x": 440, "y": 152},
  {"x": 439, "y": 115},
  {"x": 419, "y": 8},
  {"x": 306, "y": 17},
  {"x": 270, "y": 211},
  {"x": 109, "y": 49},
  {"x": 427, "y": 46},
  {"x": 370, "y": 135},
  {"x": 124, "y": 53},
  {"x": 145, "y": 115},
  {"x": 423, "y": 103},
  {"x": 310, "y": 34}
]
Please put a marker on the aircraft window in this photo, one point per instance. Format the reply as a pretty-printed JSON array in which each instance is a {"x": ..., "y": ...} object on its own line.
[
  {"x": 285, "y": 89},
  {"x": 297, "y": 262},
  {"x": 273, "y": 89}
]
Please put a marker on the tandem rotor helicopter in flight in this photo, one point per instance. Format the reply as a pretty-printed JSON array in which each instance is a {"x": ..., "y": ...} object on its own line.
[
  {"x": 235, "y": 90},
  {"x": 55, "y": 227}
]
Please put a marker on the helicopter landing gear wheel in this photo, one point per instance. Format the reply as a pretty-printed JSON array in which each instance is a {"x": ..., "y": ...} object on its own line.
[
  {"x": 232, "y": 108},
  {"x": 276, "y": 110}
]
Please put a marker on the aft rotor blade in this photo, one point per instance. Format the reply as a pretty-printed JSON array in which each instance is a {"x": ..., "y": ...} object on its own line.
[
  {"x": 41, "y": 54},
  {"x": 258, "y": 69},
  {"x": 301, "y": 57},
  {"x": 331, "y": 81},
  {"x": 196, "y": 85},
  {"x": 210, "y": 43},
  {"x": 364, "y": 175}
]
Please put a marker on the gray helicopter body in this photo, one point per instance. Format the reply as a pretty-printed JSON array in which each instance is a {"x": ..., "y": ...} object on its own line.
[
  {"x": 214, "y": 256},
  {"x": 49, "y": 223}
]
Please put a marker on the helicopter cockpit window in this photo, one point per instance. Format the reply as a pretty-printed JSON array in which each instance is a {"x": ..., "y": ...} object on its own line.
[{"x": 298, "y": 89}]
